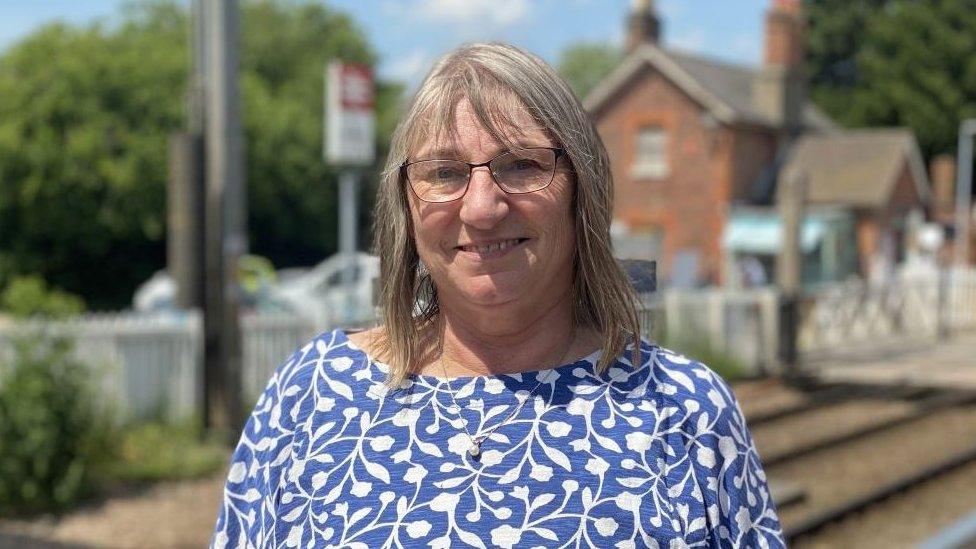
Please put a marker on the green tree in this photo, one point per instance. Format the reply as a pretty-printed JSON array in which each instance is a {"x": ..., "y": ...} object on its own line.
[
  {"x": 84, "y": 123},
  {"x": 895, "y": 63},
  {"x": 292, "y": 192},
  {"x": 585, "y": 64}
]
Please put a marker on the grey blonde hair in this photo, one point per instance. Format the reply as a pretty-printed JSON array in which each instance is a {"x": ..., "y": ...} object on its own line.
[{"x": 498, "y": 81}]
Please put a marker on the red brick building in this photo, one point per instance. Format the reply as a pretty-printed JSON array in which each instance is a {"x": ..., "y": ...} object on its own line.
[{"x": 693, "y": 140}]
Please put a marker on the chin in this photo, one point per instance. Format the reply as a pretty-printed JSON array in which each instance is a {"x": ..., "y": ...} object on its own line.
[{"x": 492, "y": 290}]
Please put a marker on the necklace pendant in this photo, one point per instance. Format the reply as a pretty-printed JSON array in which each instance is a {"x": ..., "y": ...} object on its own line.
[{"x": 475, "y": 449}]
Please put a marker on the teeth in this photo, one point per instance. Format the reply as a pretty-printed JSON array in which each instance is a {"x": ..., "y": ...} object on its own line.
[{"x": 488, "y": 248}]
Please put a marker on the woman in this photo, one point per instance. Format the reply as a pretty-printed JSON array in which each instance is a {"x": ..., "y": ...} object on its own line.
[{"x": 506, "y": 398}]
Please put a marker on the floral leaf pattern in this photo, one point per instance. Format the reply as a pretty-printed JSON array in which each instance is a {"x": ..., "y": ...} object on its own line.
[{"x": 652, "y": 455}]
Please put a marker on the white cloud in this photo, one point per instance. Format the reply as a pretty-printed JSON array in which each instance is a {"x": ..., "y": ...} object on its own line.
[
  {"x": 482, "y": 12},
  {"x": 409, "y": 69},
  {"x": 692, "y": 39}
]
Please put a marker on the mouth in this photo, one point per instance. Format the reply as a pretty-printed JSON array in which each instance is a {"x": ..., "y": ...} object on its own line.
[{"x": 491, "y": 249}]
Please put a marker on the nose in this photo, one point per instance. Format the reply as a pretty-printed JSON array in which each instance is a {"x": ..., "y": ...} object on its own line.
[{"x": 484, "y": 205}]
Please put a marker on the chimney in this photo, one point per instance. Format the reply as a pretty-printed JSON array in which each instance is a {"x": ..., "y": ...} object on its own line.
[
  {"x": 779, "y": 88},
  {"x": 643, "y": 25},
  {"x": 942, "y": 173}
]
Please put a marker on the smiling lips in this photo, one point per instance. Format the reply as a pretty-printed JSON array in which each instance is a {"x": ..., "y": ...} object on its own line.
[{"x": 493, "y": 248}]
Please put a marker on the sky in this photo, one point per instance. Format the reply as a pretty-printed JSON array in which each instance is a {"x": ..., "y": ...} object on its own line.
[{"x": 410, "y": 34}]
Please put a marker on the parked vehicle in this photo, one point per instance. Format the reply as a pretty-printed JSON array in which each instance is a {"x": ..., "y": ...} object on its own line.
[{"x": 325, "y": 296}]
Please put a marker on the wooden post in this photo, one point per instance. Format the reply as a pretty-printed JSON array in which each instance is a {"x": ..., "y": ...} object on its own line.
[
  {"x": 789, "y": 268},
  {"x": 226, "y": 234},
  {"x": 185, "y": 215},
  {"x": 964, "y": 190},
  {"x": 942, "y": 312}
]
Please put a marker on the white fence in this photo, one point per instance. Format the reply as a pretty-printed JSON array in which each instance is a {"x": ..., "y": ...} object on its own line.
[
  {"x": 151, "y": 365},
  {"x": 742, "y": 324}
]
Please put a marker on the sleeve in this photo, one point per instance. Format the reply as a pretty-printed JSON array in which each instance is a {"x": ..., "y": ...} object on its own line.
[
  {"x": 247, "y": 511},
  {"x": 739, "y": 509}
]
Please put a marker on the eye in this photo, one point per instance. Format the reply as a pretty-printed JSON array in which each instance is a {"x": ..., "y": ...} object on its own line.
[
  {"x": 522, "y": 164},
  {"x": 447, "y": 173}
]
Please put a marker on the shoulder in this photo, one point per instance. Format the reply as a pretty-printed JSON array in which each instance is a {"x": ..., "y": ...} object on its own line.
[
  {"x": 328, "y": 361},
  {"x": 368, "y": 341},
  {"x": 332, "y": 350},
  {"x": 688, "y": 383}
]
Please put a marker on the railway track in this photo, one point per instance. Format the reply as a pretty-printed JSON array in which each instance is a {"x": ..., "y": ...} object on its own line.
[{"x": 839, "y": 455}]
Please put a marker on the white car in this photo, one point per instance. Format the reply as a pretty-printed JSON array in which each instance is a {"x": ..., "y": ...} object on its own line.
[{"x": 322, "y": 294}]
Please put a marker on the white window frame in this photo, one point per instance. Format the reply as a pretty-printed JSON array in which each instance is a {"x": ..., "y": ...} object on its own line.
[{"x": 651, "y": 153}]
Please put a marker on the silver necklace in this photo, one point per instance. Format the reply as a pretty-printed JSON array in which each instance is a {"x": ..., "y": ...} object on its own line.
[{"x": 475, "y": 450}]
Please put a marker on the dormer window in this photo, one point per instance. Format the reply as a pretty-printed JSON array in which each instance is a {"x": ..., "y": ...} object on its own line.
[{"x": 651, "y": 155}]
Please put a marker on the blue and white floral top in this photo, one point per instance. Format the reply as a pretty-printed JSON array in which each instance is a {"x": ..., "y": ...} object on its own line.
[{"x": 656, "y": 455}]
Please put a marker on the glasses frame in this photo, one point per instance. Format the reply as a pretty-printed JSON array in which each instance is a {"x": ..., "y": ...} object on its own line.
[{"x": 558, "y": 151}]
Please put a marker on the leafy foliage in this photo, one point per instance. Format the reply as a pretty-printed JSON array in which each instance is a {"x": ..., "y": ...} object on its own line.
[
  {"x": 58, "y": 445},
  {"x": 84, "y": 123},
  {"x": 895, "y": 62},
  {"x": 585, "y": 64},
  {"x": 157, "y": 451},
  {"x": 28, "y": 296},
  {"x": 52, "y": 438}
]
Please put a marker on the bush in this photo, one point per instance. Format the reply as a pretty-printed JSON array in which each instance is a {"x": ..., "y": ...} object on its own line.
[
  {"x": 28, "y": 296},
  {"x": 58, "y": 444},
  {"x": 52, "y": 436},
  {"x": 157, "y": 451}
]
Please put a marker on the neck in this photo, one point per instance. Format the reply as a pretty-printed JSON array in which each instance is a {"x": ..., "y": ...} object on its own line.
[{"x": 498, "y": 342}]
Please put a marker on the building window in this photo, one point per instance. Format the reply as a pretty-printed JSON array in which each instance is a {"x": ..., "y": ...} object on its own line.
[{"x": 651, "y": 159}]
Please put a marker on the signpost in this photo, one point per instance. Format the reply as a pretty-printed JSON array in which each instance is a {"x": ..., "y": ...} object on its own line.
[
  {"x": 350, "y": 123},
  {"x": 349, "y": 115}
]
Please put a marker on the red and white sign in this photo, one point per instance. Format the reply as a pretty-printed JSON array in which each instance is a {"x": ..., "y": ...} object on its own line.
[{"x": 349, "y": 114}]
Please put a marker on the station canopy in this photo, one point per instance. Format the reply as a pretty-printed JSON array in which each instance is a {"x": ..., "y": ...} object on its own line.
[{"x": 762, "y": 232}]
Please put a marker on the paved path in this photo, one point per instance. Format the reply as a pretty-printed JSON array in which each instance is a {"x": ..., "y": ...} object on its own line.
[
  {"x": 950, "y": 364},
  {"x": 167, "y": 515}
]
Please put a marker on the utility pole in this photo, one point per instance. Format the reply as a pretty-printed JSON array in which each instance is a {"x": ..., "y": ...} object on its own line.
[
  {"x": 964, "y": 190},
  {"x": 789, "y": 268},
  {"x": 185, "y": 241},
  {"x": 226, "y": 238}
]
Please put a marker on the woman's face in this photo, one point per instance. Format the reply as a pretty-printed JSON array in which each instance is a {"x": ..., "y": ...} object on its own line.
[{"x": 490, "y": 248}]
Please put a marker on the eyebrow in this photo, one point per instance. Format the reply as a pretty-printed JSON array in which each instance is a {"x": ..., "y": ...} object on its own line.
[{"x": 449, "y": 153}]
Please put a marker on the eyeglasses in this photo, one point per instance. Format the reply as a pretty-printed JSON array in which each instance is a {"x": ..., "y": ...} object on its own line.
[{"x": 517, "y": 171}]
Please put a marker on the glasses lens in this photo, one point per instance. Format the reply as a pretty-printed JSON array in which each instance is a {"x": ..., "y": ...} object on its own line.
[
  {"x": 524, "y": 170},
  {"x": 438, "y": 180}
]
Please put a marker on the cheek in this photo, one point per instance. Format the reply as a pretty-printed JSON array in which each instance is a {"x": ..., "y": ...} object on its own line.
[
  {"x": 562, "y": 227},
  {"x": 430, "y": 226},
  {"x": 565, "y": 240}
]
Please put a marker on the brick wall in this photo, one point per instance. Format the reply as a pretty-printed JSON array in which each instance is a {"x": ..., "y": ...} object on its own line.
[{"x": 690, "y": 205}]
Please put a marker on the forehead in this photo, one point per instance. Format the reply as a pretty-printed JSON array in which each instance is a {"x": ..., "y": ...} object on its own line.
[{"x": 470, "y": 131}]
